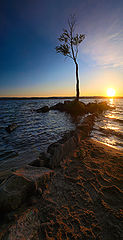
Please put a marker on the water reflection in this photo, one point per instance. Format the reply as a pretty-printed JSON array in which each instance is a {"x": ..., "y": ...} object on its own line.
[
  {"x": 108, "y": 128},
  {"x": 110, "y": 115},
  {"x": 111, "y": 102}
]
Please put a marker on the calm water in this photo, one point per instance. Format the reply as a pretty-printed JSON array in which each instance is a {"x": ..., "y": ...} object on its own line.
[{"x": 36, "y": 131}]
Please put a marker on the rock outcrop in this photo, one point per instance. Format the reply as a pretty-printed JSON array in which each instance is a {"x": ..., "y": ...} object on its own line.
[
  {"x": 77, "y": 108},
  {"x": 21, "y": 185},
  {"x": 97, "y": 107}
]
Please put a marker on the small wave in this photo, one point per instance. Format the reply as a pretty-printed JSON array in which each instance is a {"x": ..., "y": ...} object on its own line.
[
  {"x": 8, "y": 155},
  {"x": 115, "y": 119},
  {"x": 119, "y": 120},
  {"x": 111, "y": 132}
]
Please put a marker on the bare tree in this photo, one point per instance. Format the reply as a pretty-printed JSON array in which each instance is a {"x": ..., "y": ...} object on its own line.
[{"x": 69, "y": 43}]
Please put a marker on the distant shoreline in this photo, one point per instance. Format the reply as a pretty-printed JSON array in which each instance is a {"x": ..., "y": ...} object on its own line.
[{"x": 31, "y": 98}]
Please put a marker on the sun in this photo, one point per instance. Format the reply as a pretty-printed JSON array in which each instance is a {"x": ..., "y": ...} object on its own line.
[{"x": 110, "y": 92}]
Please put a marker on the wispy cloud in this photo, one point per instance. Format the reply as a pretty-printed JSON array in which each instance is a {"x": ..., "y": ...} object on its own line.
[
  {"x": 106, "y": 50},
  {"x": 104, "y": 42}
]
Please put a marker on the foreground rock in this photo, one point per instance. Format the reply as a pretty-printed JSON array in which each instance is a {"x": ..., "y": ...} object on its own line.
[{"x": 21, "y": 185}]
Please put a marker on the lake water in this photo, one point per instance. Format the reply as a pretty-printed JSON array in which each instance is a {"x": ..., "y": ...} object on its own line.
[{"x": 36, "y": 131}]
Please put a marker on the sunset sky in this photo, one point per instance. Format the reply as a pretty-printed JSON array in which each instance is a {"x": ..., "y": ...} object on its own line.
[{"x": 29, "y": 64}]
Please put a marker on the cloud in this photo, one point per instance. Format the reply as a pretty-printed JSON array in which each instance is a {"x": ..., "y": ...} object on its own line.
[{"x": 106, "y": 49}]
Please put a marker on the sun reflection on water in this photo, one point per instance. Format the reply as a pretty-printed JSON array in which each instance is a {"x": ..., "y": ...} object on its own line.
[
  {"x": 111, "y": 101},
  {"x": 112, "y": 116},
  {"x": 110, "y": 142}
]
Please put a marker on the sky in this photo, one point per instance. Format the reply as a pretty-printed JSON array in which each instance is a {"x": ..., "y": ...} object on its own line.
[{"x": 29, "y": 64}]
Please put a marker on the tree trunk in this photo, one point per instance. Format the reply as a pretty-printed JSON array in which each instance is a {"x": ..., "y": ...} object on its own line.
[{"x": 77, "y": 83}]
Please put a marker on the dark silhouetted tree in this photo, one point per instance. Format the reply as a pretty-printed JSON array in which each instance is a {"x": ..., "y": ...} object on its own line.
[{"x": 69, "y": 43}]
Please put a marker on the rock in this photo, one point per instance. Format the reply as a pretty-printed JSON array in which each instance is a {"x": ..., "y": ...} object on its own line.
[
  {"x": 56, "y": 155},
  {"x": 21, "y": 185},
  {"x": 37, "y": 175},
  {"x": 73, "y": 107},
  {"x": 58, "y": 151},
  {"x": 87, "y": 125},
  {"x": 58, "y": 106},
  {"x": 11, "y": 127},
  {"x": 13, "y": 192},
  {"x": 41, "y": 161},
  {"x": 67, "y": 102},
  {"x": 77, "y": 108},
  {"x": 97, "y": 107},
  {"x": 43, "y": 109}
]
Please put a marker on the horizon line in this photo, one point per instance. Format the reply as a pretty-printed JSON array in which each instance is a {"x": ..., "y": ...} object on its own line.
[{"x": 39, "y": 97}]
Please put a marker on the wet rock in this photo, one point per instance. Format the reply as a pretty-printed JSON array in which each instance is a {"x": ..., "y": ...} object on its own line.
[
  {"x": 11, "y": 127},
  {"x": 43, "y": 109}
]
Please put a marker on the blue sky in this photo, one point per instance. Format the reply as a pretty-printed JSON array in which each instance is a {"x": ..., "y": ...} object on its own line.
[{"x": 29, "y": 65}]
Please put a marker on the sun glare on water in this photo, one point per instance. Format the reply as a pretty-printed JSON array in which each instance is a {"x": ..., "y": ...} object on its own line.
[{"x": 110, "y": 92}]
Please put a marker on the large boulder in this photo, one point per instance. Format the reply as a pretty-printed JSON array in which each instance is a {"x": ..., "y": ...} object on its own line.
[
  {"x": 59, "y": 150},
  {"x": 21, "y": 185},
  {"x": 13, "y": 192}
]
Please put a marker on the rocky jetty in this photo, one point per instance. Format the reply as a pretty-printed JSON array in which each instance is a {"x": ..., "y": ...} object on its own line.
[{"x": 77, "y": 108}]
